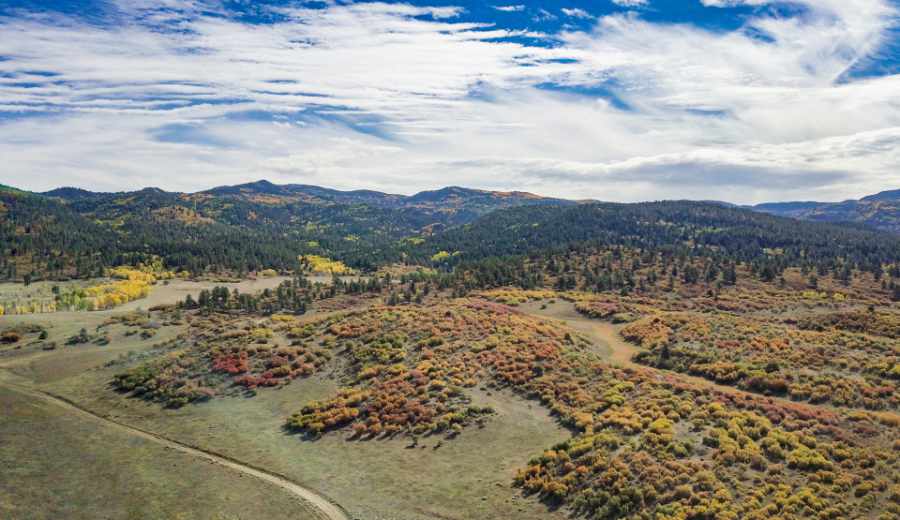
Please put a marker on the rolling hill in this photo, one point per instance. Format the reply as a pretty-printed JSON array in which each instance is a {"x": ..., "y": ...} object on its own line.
[
  {"x": 71, "y": 232},
  {"x": 236, "y": 228}
]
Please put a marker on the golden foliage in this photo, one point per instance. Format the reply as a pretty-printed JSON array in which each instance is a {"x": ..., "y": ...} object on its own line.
[{"x": 321, "y": 264}]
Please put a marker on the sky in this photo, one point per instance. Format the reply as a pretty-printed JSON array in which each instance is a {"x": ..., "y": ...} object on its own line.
[{"x": 621, "y": 100}]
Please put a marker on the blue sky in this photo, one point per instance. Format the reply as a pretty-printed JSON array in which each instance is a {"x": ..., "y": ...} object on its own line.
[{"x": 741, "y": 100}]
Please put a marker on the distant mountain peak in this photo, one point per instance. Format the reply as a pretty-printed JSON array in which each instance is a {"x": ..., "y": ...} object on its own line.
[
  {"x": 69, "y": 193},
  {"x": 151, "y": 190},
  {"x": 444, "y": 193},
  {"x": 449, "y": 192},
  {"x": 879, "y": 211},
  {"x": 261, "y": 186},
  {"x": 883, "y": 196}
]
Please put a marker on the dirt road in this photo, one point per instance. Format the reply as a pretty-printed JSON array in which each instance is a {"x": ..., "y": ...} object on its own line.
[
  {"x": 326, "y": 509},
  {"x": 603, "y": 335},
  {"x": 611, "y": 345}
]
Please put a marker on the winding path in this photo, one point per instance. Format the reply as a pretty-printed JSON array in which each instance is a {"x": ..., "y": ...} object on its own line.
[
  {"x": 600, "y": 333},
  {"x": 327, "y": 509},
  {"x": 621, "y": 352}
]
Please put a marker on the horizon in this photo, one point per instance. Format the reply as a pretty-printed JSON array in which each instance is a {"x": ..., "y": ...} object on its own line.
[
  {"x": 748, "y": 101},
  {"x": 439, "y": 188}
]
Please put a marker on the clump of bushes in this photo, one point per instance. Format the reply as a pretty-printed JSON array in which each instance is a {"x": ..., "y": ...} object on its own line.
[
  {"x": 79, "y": 339},
  {"x": 9, "y": 337}
]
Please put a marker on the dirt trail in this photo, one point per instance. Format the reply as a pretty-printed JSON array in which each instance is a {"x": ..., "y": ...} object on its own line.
[
  {"x": 327, "y": 509},
  {"x": 620, "y": 351},
  {"x": 604, "y": 335}
]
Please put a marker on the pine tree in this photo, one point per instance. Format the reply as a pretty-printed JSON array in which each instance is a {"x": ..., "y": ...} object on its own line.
[
  {"x": 813, "y": 282},
  {"x": 729, "y": 275}
]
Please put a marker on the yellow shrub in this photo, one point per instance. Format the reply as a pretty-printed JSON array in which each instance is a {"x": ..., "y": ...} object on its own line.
[
  {"x": 439, "y": 256},
  {"x": 320, "y": 264},
  {"x": 131, "y": 285}
]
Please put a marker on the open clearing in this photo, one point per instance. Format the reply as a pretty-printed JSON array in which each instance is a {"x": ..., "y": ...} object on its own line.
[
  {"x": 70, "y": 434},
  {"x": 43, "y": 366},
  {"x": 58, "y": 462},
  {"x": 468, "y": 477},
  {"x": 177, "y": 290},
  {"x": 603, "y": 335}
]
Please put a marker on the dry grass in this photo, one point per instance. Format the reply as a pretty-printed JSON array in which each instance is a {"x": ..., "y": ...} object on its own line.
[
  {"x": 468, "y": 477},
  {"x": 55, "y": 464}
]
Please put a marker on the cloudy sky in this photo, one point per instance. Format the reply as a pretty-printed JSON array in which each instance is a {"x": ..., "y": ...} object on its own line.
[{"x": 623, "y": 100}]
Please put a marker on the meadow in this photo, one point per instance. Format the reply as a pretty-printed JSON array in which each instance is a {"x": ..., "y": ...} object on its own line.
[{"x": 396, "y": 398}]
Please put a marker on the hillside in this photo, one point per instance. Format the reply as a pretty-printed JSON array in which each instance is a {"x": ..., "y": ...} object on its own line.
[
  {"x": 691, "y": 226},
  {"x": 450, "y": 205},
  {"x": 38, "y": 231},
  {"x": 880, "y": 211},
  {"x": 540, "y": 361},
  {"x": 260, "y": 225},
  {"x": 233, "y": 228}
]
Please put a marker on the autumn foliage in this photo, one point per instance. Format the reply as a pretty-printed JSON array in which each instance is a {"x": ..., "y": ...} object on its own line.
[{"x": 645, "y": 442}]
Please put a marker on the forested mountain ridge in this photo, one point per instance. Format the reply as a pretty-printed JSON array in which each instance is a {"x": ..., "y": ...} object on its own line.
[
  {"x": 264, "y": 203},
  {"x": 452, "y": 205},
  {"x": 879, "y": 211},
  {"x": 36, "y": 230},
  {"x": 71, "y": 232},
  {"x": 235, "y": 228},
  {"x": 684, "y": 228}
]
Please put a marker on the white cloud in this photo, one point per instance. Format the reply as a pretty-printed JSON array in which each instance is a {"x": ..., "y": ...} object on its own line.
[
  {"x": 402, "y": 98},
  {"x": 577, "y": 13},
  {"x": 543, "y": 15},
  {"x": 729, "y": 3},
  {"x": 509, "y": 8},
  {"x": 405, "y": 10},
  {"x": 641, "y": 3}
]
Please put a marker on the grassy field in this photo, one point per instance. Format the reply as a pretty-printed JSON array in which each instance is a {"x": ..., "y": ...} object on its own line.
[
  {"x": 163, "y": 293},
  {"x": 55, "y": 464},
  {"x": 177, "y": 290},
  {"x": 469, "y": 477},
  {"x": 37, "y": 290},
  {"x": 41, "y": 366},
  {"x": 41, "y": 293},
  {"x": 50, "y": 457}
]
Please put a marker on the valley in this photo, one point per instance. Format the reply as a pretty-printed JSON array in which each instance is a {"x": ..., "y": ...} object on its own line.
[
  {"x": 409, "y": 260},
  {"x": 537, "y": 362}
]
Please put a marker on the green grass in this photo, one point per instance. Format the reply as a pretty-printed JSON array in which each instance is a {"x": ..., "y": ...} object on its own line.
[
  {"x": 468, "y": 477},
  {"x": 42, "y": 366},
  {"x": 56, "y": 464}
]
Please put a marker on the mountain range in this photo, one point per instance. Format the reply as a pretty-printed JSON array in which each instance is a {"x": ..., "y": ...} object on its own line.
[
  {"x": 880, "y": 211},
  {"x": 76, "y": 232},
  {"x": 454, "y": 205},
  {"x": 71, "y": 232}
]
